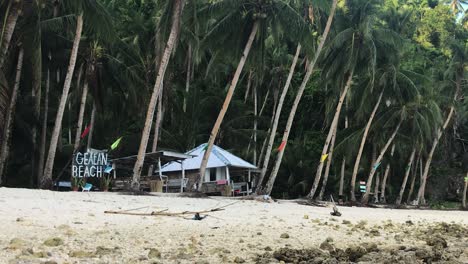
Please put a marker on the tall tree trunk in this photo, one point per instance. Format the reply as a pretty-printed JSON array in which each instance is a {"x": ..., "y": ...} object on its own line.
[
  {"x": 361, "y": 147},
  {"x": 36, "y": 65},
  {"x": 189, "y": 73},
  {"x": 385, "y": 178},
  {"x": 42, "y": 146},
  {"x": 91, "y": 126},
  {"x": 420, "y": 198},
  {"x": 157, "y": 125},
  {"x": 255, "y": 126},
  {"x": 252, "y": 137},
  {"x": 274, "y": 127},
  {"x": 10, "y": 115},
  {"x": 227, "y": 101},
  {"x": 171, "y": 41},
  {"x": 47, "y": 176},
  {"x": 333, "y": 126},
  {"x": 405, "y": 179},
  {"x": 413, "y": 177},
  {"x": 464, "y": 192},
  {"x": 327, "y": 168},
  {"x": 300, "y": 91},
  {"x": 9, "y": 28},
  {"x": 365, "y": 197},
  {"x": 376, "y": 188},
  {"x": 79, "y": 126},
  {"x": 249, "y": 83},
  {"x": 343, "y": 164}
]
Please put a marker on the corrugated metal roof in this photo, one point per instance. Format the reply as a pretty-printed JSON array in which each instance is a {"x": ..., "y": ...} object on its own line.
[{"x": 218, "y": 158}]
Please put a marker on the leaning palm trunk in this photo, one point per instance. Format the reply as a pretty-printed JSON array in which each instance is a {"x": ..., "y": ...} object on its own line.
[
  {"x": 80, "y": 117},
  {"x": 413, "y": 176},
  {"x": 327, "y": 168},
  {"x": 277, "y": 115},
  {"x": 440, "y": 131},
  {"x": 365, "y": 197},
  {"x": 176, "y": 17},
  {"x": 385, "y": 178},
  {"x": 300, "y": 91},
  {"x": 47, "y": 176},
  {"x": 42, "y": 146},
  {"x": 464, "y": 192},
  {"x": 157, "y": 125},
  {"x": 91, "y": 126},
  {"x": 343, "y": 166},
  {"x": 361, "y": 147},
  {"x": 9, "y": 29},
  {"x": 405, "y": 179},
  {"x": 333, "y": 126},
  {"x": 10, "y": 114},
  {"x": 227, "y": 101},
  {"x": 187, "y": 80}
]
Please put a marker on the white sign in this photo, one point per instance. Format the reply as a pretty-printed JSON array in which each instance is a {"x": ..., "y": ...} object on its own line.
[{"x": 89, "y": 164}]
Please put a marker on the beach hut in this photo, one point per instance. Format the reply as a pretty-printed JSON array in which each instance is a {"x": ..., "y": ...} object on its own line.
[{"x": 223, "y": 169}]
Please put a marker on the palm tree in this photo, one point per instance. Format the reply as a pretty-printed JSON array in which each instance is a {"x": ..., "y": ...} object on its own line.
[
  {"x": 8, "y": 27},
  {"x": 356, "y": 44},
  {"x": 177, "y": 9},
  {"x": 98, "y": 20},
  {"x": 255, "y": 15},
  {"x": 47, "y": 175},
  {"x": 269, "y": 185},
  {"x": 10, "y": 115},
  {"x": 405, "y": 178},
  {"x": 456, "y": 73}
]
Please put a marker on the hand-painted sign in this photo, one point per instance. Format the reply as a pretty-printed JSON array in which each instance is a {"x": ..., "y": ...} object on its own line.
[{"x": 92, "y": 163}]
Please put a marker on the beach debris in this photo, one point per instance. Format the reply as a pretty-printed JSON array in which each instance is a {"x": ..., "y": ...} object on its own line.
[
  {"x": 165, "y": 213},
  {"x": 284, "y": 235},
  {"x": 53, "y": 242},
  {"x": 335, "y": 212},
  {"x": 198, "y": 217},
  {"x": 306, "y": 216}
]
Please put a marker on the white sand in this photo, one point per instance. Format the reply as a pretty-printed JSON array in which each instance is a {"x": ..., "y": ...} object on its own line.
[{"x": 242, "y": 230}]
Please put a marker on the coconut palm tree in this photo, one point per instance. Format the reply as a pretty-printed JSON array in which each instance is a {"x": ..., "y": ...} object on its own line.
[
  {"x": 98, "y": 19},
  {"x": 271, "y": 180},
  {"x": 10, "y": 113},
  {"x": 177, "y": 10},
  {"x": 8, "y": 27},
  {"x": 253, "y": 16},
  {"x": 455, "y": 72},
  {"x": 357, "y": 43}
]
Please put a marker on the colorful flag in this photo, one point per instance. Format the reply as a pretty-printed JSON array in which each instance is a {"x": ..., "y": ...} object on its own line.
[
  {"x": 108, "y": 169},
  {"x": 282, "y": 145},
  {"x": 85, "y": 132},
  {"x": 116, "y": 143},
  {"x": 376, "y": 165},
  {"x": 466, "y": 179},
  {"x": 323, "y": 158}
]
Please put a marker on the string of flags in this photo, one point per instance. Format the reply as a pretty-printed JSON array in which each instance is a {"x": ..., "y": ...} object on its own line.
[
  {"x": 85, "y": 132},
  {"x": 116, "y": 143},
  {"x": 323, "y": 158},
  {"x": 282, "y": 145},
  {"x": 377, "y": 165}
]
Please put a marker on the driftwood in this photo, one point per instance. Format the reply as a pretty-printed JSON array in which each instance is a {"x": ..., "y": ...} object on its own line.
[{"x": 165, "y": 213}]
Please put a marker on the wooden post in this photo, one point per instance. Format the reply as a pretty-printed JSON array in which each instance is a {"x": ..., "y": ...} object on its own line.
[
  {"x": 228, "y": 177},
  {"x": 183, "y": 176}
]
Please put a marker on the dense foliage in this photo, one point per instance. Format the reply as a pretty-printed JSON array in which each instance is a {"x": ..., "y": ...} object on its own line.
[{"x": 405, "y": 62}]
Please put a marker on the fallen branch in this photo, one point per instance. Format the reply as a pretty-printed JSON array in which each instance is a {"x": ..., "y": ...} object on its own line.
[{"x": 164, "y": 213}]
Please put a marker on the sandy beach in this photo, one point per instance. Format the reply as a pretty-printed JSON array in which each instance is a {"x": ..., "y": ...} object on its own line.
[{"x": 71, "y": 227}]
